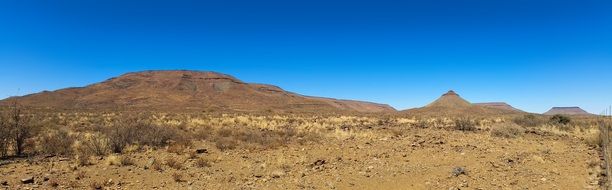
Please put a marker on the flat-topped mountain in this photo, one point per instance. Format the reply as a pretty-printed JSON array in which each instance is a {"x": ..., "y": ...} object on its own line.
[
  {"x": 567, "y": 111},
  {"x": 499, "y": 105},
  {"x": 188, "y": 90}
]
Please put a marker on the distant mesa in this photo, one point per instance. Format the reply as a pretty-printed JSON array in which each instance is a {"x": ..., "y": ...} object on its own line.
[
  {"x": 567, "y": 111},
  {"x": 498, "y": 105},
  {"x": 450, "y": 103},
  {"x": 188, "y": 90}
]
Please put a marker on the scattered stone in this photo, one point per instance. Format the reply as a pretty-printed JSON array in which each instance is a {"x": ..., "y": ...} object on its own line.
[
  {"x": 202, "y": 151},
  {"x": 149, "y": 163},
  {"x": 277, "y": 174},
  {"x": 4, "y": 183},
  {"x": 319, "y": 163},
  {"x": 27, "y": 180},
  {"x": 457, "y": 171}
]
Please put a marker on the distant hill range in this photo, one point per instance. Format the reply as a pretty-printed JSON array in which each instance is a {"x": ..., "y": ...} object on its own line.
[
  {"x": 499, "y": 105},
  {"x": 567, "y": 111},
  {"x": 188, "y": 90},
  {"x": 450, "y": 103}
]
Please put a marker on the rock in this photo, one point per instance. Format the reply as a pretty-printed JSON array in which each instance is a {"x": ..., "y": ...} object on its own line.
[
  {"x": 369, "y": 168},
  {"x": 27, "y": 180},
  {"x": 318, "y": 163},
  {"x": 538, "y": 159},
  {"x": 46, "y": 177},
  {"x": 4, "y": 183},
  {"x": 277, "y": 174},
  {"x": 457, "y": 171},
  {"x": 202, "y": 151},
  {"x": 149, "y": 163}
]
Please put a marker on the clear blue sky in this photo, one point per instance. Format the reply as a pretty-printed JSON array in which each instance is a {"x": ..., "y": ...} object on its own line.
[{"x": 532, "y": 54}]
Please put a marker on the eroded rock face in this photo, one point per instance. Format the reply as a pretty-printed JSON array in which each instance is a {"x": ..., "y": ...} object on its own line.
[
  {"x": 567, "y": 111},
  {"x": 184, "y": 90}
]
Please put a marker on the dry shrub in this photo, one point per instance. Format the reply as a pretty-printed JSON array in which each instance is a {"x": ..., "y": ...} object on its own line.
[
  {"x": 224, "y": 132},
  {"x": 264, "y": 138},
  {"x": 16, "y": 128},
  {"x": 4, "y": 135},
  {"x": 57, "y": 142},
  {"x": 464, "y": 124},
  {"x": 157, "y": 165},
  {"x": 203, "y": 163},
  {"x": 177, "y": 177},
  {"x": 192, "y": 155},
  {"x": 396, "y": 132},
  {"x": 94, "y": 144},
  {"x": 54, "y": 183},
  {"x": 80, "y": 175},
  {"x": 507, "y": 130},
  {"x": 560, "y": 120},
  {"x": 226, "y": 143},
  {"x": 176, "y": 148},
  {"x": 157, "y": 136},
  {"x": 203, "y": 133},
  {"x": 174, "y": 163},
  {"x": 594, "y": 139},
  {"x": 116, "y": 160},
  {"x": 82, "y": 158},
  {"x": 120, "y": 134},
  {"x": 421, "y": 123},
  {"x": 528, "y": 121}
]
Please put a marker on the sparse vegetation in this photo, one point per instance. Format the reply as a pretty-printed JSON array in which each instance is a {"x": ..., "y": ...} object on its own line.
[
  {"x": 203, "y": 163},
  {"x": 507, "y": 130},
  {"x": 20, "y": 129},
  {"x": 175, "y": 138},
  {"x": 4, "y": 136},
  {"x": 57, "y": 142},
  {"x": 174, "y": 163},
  {"x": 465, "y": 124},
  {"x": 594, "y": 139},
  {"x": 177, "y": 177},
  {"x": 560, "y": 120},
  {"x": 528, "y": 120}
]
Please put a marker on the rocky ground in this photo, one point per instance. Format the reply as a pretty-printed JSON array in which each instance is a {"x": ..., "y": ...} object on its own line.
[{"x": 378, "y": 158}]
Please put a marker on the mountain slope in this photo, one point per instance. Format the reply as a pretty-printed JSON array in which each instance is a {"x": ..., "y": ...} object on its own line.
[
  {"x": 567, "y": 111},
  {"x": 452, "y": 104},
  {"x": 188, "y": 90},
  {"x": 499, "y": 105}
]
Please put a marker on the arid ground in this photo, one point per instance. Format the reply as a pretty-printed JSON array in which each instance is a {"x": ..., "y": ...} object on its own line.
[{"x": 236, "y": 151}]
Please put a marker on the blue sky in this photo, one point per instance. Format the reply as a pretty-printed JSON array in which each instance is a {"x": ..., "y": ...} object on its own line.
[{"x": 532, "y": 54}]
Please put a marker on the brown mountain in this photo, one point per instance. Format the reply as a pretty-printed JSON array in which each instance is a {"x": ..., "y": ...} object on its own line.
[
  {"x": 499, "y": 105},
  {"x": 188, "y": 90},
  {"x": 567, "y": 111},
  {"x": 450, "y": 99},
  {"x": 452, "y": 104}
]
